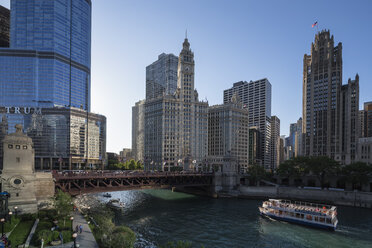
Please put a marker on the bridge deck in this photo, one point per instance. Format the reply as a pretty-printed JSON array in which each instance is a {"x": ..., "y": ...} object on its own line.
[{"x": 87, "y": 182}]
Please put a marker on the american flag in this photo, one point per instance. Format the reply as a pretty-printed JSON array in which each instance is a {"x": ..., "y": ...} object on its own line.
[{"x": 315, "y": 23}]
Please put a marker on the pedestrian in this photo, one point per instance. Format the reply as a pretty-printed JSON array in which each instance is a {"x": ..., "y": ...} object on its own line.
[
  {"x": 81, "y": 228},
  {"x": 77, "y": 228}
]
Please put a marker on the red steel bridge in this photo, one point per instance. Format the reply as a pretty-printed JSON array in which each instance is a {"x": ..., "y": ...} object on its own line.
[{"x": 79, "y": 182}]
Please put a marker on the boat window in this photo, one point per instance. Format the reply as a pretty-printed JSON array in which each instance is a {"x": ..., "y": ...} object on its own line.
[
  {"x": 309, "y": 217},
  {"x": 302, "y": 216},
  {"x": 316, "y": 218},
  {"x": 329, "y": 221},
  {"x": 321, "y": 219},
  {"x": 292, "y": 214}
]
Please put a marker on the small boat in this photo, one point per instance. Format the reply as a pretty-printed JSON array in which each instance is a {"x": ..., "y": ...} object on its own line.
[
  {"x": 303, "y": 213},
  {"x": 116, "y": 204},
  {"x": 108, "y": 195}
]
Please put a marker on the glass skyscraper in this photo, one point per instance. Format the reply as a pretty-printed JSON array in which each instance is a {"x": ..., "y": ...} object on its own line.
[
  {"x": 45, "y": 84},
  {"x": 48, "y": 62}
]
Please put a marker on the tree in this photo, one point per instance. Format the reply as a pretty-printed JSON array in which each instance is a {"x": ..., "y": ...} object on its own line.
[
  {"x": 357, "y": 173},
  {"x": 256, "y": 173},
  {"x": 122, "y": 237},
  {"x": 132, "y": 165},
  {"x": 63, "y": 205},
  {"x": 322, "y": 167},
  {"x": 295, "y": 167},
  {"x": 139, "y": 165}
]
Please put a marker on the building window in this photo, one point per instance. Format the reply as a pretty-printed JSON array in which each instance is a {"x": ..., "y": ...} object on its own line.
[
  {"x": 18, "y": 159},
  {"x": 24, "y": 147},
  {"x": 18, "y": 147},
  {"x": 10, "y": 146}
]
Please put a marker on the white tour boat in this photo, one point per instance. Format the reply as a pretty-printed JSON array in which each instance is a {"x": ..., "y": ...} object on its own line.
[{"x": 304, "y": 213}]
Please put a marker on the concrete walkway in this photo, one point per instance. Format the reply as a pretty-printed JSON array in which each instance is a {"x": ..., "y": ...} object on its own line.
[{"x": 86, "y": 238}]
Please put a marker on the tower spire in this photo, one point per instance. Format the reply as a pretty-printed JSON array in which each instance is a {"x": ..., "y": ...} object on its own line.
[{"x": 186, "y": 34}]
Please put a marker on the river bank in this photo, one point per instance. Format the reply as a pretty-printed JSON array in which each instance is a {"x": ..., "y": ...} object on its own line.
[{"x": 339, "y": 198}]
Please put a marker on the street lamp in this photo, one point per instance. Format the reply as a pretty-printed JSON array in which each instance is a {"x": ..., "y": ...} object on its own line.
[
  {"x": 74, "y": 235},
  {"x": 15, "y": 209},
  {"x": 10, "y": 216},
  {"x": 72, "y": 225},
  {"x": 2, "y": 220}
]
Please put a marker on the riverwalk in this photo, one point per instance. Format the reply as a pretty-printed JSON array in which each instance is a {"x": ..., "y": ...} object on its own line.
[{"x": 86, "y": 238}]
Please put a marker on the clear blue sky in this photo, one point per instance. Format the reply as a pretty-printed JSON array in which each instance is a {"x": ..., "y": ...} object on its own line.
[{"x": 231, "y": 40}]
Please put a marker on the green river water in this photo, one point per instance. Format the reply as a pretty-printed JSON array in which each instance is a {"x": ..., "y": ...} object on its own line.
[{"x": 158, "y": 216}]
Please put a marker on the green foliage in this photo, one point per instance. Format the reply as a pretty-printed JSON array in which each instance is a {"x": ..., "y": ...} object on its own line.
[
  {"x": 27, "y": 217},
  {"x": 107, "y": 234},
  {"x": 322, "y": 167},
  {"x": 45, "y": 235},
  {"x": 256, "y": 173},
  {"x": 128, "y": 165},
  {"x": 67, "y": 236},
  {"x": 357, "y": 173},
  {"x": 43, "y": 226},
  {"x": 296, "y": 167},
  {"x": 63, "y": 205},
  {"x": 20, "y": 233},
  {"x": 122, "y": 237},
  {"x": 9, "y": 225},
  {"x": 179, "y": 244}
]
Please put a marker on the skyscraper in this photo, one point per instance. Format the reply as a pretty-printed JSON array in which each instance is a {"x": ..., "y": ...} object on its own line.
[
  {"x": 275, "y": 142},
  {"x": 161, "y": 76},
  {"x": 349, "y": 121},
  {"x": 45, "y": 83},
  {"x": 330, "y": 109},
  {"x": 254, "y": 145},
  {"x": 4, "y": 26},
  {"x": 322, "y": 79},
  {"x": 256, "y": 96},
  {"x": 138, "y": 130},
  {"x": 48, "y": 62},
  {"x": 228, "y": 132},
  {"x": 295, "y": 139},
  {"x": 366, "y": 119},
  {"x": 176, "y": 125}
]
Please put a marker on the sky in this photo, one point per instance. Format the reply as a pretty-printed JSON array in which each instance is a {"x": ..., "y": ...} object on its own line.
[{"x": 231, "y": 40}]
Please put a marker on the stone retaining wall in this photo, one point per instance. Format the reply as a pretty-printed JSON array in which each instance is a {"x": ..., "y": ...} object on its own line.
[{"x": 343, "y": 198}]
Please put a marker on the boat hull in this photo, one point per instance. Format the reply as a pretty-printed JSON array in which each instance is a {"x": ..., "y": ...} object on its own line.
[{"x": 299, "y": 222}]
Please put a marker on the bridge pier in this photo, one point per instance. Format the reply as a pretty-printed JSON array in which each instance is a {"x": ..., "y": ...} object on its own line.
[{"x": 226, "y": 178}]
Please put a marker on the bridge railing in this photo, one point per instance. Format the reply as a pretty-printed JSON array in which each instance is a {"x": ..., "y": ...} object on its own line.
[{"x": 118, "y": 174}]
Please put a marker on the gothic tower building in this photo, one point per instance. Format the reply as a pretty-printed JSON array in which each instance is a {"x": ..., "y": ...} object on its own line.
[
  {"x": 176, "y": 125},
  {"x": 322, "y": 79},
  {"x": 330, "y": 110}
]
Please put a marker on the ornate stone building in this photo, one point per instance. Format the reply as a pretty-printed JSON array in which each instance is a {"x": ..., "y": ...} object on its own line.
[
  {"x": 176, "y": 125},
  {"x": 256, "y": 96},
  {"x": 228, "y": 133},
  {"x": 18, "y": 176}
]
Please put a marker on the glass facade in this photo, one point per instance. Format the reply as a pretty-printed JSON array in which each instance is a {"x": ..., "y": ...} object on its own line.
[
  {"x": 48, "y": 62},
  {"x": 63, "y": 138}
]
